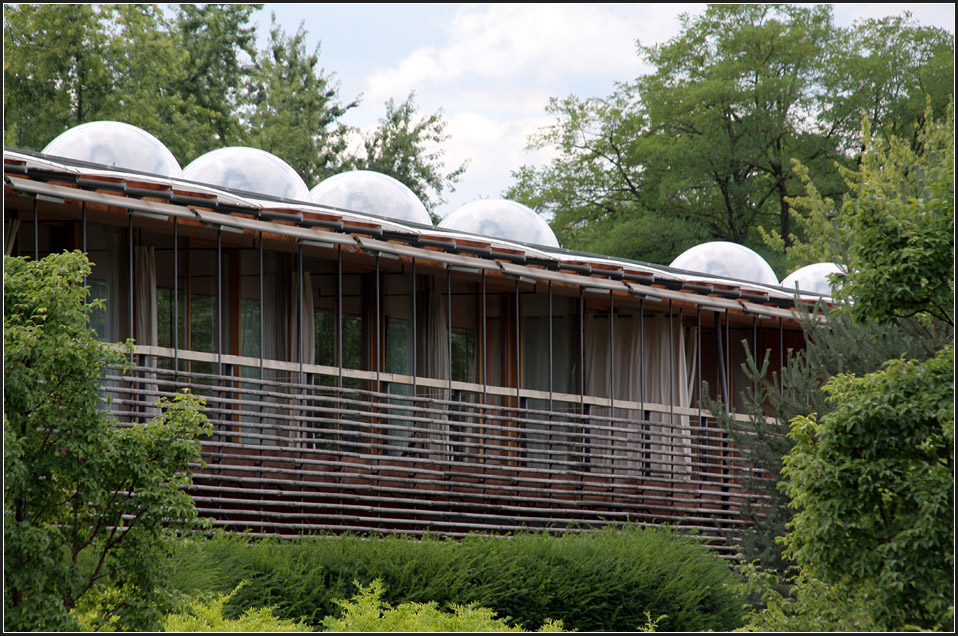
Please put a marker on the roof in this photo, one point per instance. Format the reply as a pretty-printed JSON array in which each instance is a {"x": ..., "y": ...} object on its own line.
[{"x": 43, "y": 176}]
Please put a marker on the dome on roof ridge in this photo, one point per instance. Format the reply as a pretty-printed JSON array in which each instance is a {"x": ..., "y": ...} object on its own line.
[
  {"x": 726, "y": 259},
  {"x": 113, "y": 143},
  {"x": 250, "y": 170},
  {"x": 503, "y": 219},
  {"x": 813, "y": 278},
  {"x": 372, "y": 193}
]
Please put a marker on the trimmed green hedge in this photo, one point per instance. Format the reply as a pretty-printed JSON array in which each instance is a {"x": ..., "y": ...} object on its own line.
[{"x": 607, "y": 580}]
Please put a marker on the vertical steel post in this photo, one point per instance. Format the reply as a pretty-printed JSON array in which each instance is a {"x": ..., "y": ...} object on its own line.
[
  {"x": 36, "y": 229},
  {"x": 377, "y": 325},
  {"x": 219, "y": 300},
  {"x": 415, "y": 340},
  {"x": 299, "y": 321},
  {"x": 262, "y": 311},
  {"x": 129, "y": 239},
  {"x": 518, "y": 359},
  {"x": 449, "y": 324},
  {"x": 339, "y": 316},
  {"x": 176, "y": 297}
]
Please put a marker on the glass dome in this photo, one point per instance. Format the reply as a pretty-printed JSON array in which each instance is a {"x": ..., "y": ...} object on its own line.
[
  {"x": 501, "y": 218},
  {"x": 812, "y": 278},
  {"x": 729, "y": 260},
  {"x": 371, "y": 193},
  {"x": 248, "y": 169},
  {"x": 113, "y": 143}
]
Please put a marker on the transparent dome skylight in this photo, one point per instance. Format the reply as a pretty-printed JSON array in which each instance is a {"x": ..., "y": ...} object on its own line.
[
  {"x": 501, "y": 218},
  {"x": 729, "y": 260},
  {"x": 248, "y": 169},
  {"x": 371, "y": 193},
  {"x": 113, "y": 143},
  {"x": 812, "y": 278}
]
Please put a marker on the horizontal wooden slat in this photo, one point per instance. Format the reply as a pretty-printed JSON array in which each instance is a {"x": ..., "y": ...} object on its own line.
[{"x": 290, "y": 457}]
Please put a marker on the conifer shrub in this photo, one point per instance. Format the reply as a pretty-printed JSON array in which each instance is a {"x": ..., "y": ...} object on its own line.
[{"x": 606, "y": 580}]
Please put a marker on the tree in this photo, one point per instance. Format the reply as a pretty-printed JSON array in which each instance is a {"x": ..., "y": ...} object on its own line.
[
  {"x": 839, "y": 346},
  {"x": 734, "y": 94},
  {"x": 54, "y": 71},
  {"x": 72, "y": 64},
  {"x": 607, "y": 192},
  {"x": 407, "y": 146},
  {"x": 893, "y": 229},
  {"x": 704, "y": 142},
  {"x": 890, "y": 71},
  {"x": 873, "y": 484},
  {"x": 220, "y": 46},
  {"x": 871, "y": 475},
  {"x": 290, "y": 108},
  {"x": 702, "y": 147},
  {"x": 88, "y": 505}
]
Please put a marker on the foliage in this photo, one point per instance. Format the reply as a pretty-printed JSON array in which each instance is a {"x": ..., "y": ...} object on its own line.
[
  {"x": 367, "y": 612},
  {"x": 87, "y": 504},
  {"x": 894, "y": 73},
  {"x": 868, "y": 460},
  {"x": 893, "y": 229},
  {"x": 290, "y": 108},
  {"x": 406, "y": 146},
  {"x": 220, "y": 46},
  {"x": 808, "y": 606},
  {"x": 206, "y": 615},
  {"x": 836, "y": 346},
  {"x": 605, "y": 580},
  {"x": 902, "y": 259},
  {"x": 702, "y": 147},
  {"x": 872, "y": 483},
  {"x": 195, "y": 79}
]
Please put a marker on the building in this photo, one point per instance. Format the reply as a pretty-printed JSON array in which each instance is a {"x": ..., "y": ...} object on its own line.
[{"x": 367, "y": 371}]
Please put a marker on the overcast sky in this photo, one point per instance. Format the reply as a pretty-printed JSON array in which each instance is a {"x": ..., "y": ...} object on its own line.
[{"x": 491, "y": 68}]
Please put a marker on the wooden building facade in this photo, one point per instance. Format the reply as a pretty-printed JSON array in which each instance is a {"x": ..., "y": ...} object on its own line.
[{"x": 371, "y": 375}]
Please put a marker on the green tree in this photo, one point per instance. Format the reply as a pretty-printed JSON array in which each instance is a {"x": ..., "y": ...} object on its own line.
[
  {"x": 290, "y": 107},
  {"x": 889, "y": 70},
  {"x": 871, "y": 475},
  {"x": 838, "y": 346},
  {"x": 71, "y": 64},
  {"x": 407, "y": 146},
  {"x": 54, "y": 70},
  {"x": 731, "y": 99},
  {"x": 703, "y": 147},
  {"x": 88, "y": 505},
  {"x": 873, "y": 484},
  {"x": 220, "y": 45},
  {"x": 894, "y": 228},
  {"x": 605, "y": 191}
]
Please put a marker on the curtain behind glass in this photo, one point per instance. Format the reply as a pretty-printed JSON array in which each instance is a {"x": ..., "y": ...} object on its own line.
[
  {"x": 145, "y": 325},
  {"x": 649, "y": 366},
  {"x": 433, "y": 358}
]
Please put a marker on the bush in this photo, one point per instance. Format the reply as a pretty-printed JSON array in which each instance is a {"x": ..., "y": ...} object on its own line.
[
  {"x": 367, "y": 612},
  {"x": 608, "y": 580},
  {"x": 207, "y": 616}
]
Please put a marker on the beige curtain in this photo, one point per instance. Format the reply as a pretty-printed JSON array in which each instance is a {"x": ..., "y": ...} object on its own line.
[
  {"x": 649, "y": 365},
  {"x": 145, "y": 324},
  {"x": 304, "y": 315},
  {"x": 433, "y": 358},
  {"x": 10, "y": 229}
]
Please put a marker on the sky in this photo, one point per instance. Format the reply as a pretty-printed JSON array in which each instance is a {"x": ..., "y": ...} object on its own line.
[{"x": 492, "y": 68}]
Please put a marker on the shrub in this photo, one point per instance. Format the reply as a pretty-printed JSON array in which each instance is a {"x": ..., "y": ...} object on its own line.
[
  {"x": 206, "y": 615},
  {"x": 367, "y": 612},
  {"x": 607, "y": 580}
]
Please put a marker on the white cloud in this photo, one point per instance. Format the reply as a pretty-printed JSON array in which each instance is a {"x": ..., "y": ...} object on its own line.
[
  {"x": 497, "y": 68},
  {"x": 493, "y": 68},
  {"x": 506, "y": 50}
]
